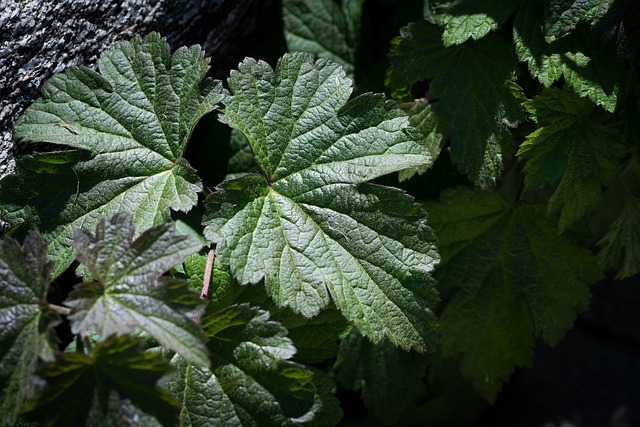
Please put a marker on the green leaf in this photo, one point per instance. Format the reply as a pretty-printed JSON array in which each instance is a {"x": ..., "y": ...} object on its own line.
[
  {"x": 510, "y": 278},
  {"x": 308, "y": 224},
  {"x": 105, "y": 388},
  {"x": 129, "y": 290},
  {"x": 423, "y": 118},
  {"x": 471, "y": 93},
  {"x": 572, "y": 149},
  {"x": 619, "y": 248},
  {"x": 251, "y": 382},
  {"x": 464, "y": 19},
  {"x": 562, "y": 16},
  {"x": 315, "y": 339},
  {"x": 24, "y": 320},
  {"x": 390, "y": 379},
  {"x": 595, "y": 74},
  {"x": 325, "y": 28},
  {"x": 134, "y": 120}
]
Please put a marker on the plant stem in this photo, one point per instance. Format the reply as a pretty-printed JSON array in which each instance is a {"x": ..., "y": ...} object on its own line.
[
  {"x": 60, "y": 309},
  {"x": 207, "y": 274}
]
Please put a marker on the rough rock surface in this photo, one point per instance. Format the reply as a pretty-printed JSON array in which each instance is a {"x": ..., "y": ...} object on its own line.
[{"x": 41, "y": 38}]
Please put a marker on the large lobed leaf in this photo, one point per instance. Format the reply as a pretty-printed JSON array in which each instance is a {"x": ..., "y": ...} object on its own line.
[
  {"x": 465, "y": 19},
  {"x": 251, "y": 382},
  {"x": 325, "y": 28},
  {"x": 133, "y": 120},
  {"x": 471, "y": 92},
  {"x": 129, "y": 290},
  {"x": 562, "y": 16},
  {"x": 115, "y": 385},
  {"x": 24, "y": 320},
  {"x": 307, "y": 224},
  {"x": 595, "y": 74},
  {"x": 510, "y": 278},
  {"x": 569, "y": 149}
]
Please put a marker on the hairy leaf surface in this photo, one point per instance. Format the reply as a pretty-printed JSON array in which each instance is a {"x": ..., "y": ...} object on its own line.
[
  {"x": 325, "y": 28},
  {"x": 595, "y": 74},
  {"x": 571, "y": 149},
  {"x": 465, "y": 19},
  {"x": 308, "y": 224},
  {"x": 25, "y": 275},
  {"x": 251, "y": 382},
  {"x": 510, "y": 278},
  {"x": 133, "y": 120},
  {"x": 129, "y": 290},
  {"x": 107, "y": 387},
  {"x": 473, "y": 99}
]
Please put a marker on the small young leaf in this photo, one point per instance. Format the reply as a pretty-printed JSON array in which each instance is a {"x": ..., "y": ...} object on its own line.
[
  {"x": 326, "y": 28},
  {"x": 129, "y": 290},
  {"x": 134, "y": 120},
  {"x": 116, "y": 379},
  {"x": 308, "y": 224},
  {"x": 315, "y": 339},
  {"x": 469, "y": 18},
  {"x": 620, "y": 245},
  {"x": 511, "y": 278},
  {"x": 250, "y": 381},
  {"x": 24, "y": 323},
  {"x": 570, "y": 148},
  {"x": 472, "y": 98},
  {"x": 596, "y": 75}
]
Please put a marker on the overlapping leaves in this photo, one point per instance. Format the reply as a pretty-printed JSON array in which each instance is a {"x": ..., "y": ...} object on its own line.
[
  {"x": 307, "y": 224},
  {"x": 114, "y": 385},
  {"x": 465, "y": 19},
  {"x": 511, "y": 278},
  {"x": 470, "y": 93},
  {"x": 129, "y": 290},
  {"x": 569, "y": 149},
  {"x": 325, "y": 28},
  {"x": 591, "y": 73},
  {"x": 251, "y": 381},
  {"x": 132, "y": 122},
  {"x": 24, "y": 320}
]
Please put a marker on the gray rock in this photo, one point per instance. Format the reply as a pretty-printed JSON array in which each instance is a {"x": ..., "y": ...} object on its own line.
[{"x": 40, "y": 38}]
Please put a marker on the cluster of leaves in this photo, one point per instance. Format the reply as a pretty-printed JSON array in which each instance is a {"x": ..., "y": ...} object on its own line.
[{"x": 305, "y": 267}]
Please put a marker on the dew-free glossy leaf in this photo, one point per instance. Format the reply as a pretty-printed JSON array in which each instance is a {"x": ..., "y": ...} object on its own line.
[
  {"x": 465, "y": 19},
  {"x": 570, "y": 149},
  {"x": 470, "y": 91},
  {"x": 595, "y": 74},
  {"x": 250, "y": 382},
  {"x": 106, "y": 387},
  {"x": 562, "y": 16},
  {"x": 25, "y": 275},
  {"x": 509, "y": 277},
  {"x": 308, "y": 224},
  {"x": 133, "y": 120},
  {"x": 326, "y": 28},
  {"x": 129, "y": 290}
]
